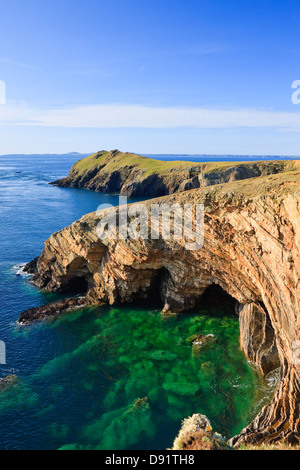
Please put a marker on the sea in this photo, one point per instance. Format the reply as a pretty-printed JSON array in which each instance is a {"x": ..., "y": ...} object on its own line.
[{"x": 107, "y": 378}]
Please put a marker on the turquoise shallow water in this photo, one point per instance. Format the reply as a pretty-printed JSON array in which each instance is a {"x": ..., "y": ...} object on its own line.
[{"x": 107, "y": 378}]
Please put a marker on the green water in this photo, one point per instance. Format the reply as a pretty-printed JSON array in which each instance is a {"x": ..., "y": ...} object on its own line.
[
  {"x": 124, "y": 378},
  {"x": 79, "y": 377},
  {"x": 143, "y": 377}
]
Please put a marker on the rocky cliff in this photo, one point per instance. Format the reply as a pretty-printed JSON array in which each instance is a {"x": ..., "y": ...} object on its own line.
[
  {"x": 137, "y": 176},
  {"x": 251, "y": 250}
]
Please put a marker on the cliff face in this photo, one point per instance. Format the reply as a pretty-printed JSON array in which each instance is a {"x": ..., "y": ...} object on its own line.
[
  {"x": 251, "y": 250},
  {"x": 137, "y": 176}
]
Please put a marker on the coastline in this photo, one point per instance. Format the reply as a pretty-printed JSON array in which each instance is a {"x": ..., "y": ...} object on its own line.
[{"x": 229, "y": 204}]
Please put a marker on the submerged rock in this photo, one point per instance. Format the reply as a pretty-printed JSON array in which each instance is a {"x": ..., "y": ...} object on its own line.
[
  {"x": 202, "y": 342},
  {"x": 141, "y": 402},
  {"x": 191, "y": 338},
  {"x": 208, "y": 367},
  {"x": 8, "y": 381}
]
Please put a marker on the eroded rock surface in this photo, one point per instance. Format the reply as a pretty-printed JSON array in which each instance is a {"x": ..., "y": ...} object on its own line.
[
  {"x": 251, "y": 250},
  {"x": 257, "y": 337},
  {"x": 50, "y": 310},
  {"x": 196, "y": 433}
]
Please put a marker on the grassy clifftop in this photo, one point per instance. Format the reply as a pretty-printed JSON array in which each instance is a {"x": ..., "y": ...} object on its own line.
[
  {"x": 116, "y": 160},
  {"x": 135, "y": 175}
]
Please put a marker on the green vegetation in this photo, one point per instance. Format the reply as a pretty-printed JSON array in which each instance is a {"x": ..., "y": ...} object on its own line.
[
  {"x": 137, "y": 176},
  {"x": 116, "y": 161}
]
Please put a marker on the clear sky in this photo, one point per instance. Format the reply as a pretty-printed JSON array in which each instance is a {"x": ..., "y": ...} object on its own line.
[{"x": 159, "y": 76}]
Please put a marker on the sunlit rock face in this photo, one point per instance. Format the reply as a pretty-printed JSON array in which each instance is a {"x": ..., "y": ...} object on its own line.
[
  {"x": 257, "y": 337},
  {"x": 251, "y": 250}
]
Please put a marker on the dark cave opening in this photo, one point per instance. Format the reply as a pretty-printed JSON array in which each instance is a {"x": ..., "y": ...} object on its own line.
[
  {"x": 76, "y": 285},
  {"x": 215, "y": 297},
  {"x": 153, "y": 296},
  {"x": 76, "y": 281}
]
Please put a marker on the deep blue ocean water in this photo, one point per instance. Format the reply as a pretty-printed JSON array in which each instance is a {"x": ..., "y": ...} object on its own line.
[{"x": 80, "y": 377}]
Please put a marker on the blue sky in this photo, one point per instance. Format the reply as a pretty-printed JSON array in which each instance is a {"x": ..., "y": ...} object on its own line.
[{"x": 193, "y": 76}]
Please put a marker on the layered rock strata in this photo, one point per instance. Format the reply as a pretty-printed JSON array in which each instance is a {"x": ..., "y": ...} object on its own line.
[
  {"x": 251, "y": 250},
  {"x": 257, "y": 337}
]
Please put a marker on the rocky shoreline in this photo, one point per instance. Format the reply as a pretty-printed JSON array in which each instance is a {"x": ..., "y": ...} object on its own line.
[
  {"x": 251, "y": 250},
  {"x": 50, "y": 310}
]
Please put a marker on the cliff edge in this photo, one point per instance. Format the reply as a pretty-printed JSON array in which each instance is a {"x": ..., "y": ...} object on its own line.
[
  {"x": 136, "y": 176},
  {"x": 251, "y": 249}
]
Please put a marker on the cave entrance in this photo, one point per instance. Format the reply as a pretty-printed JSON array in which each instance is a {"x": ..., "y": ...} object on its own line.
[
  {"x": 257, "y": 335},
  {"x": 152, "y": 296},
  {"x": 76, "y": 280},
  {"x": 76, "y": 285},
  {"x": 216, "y": 298}
]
